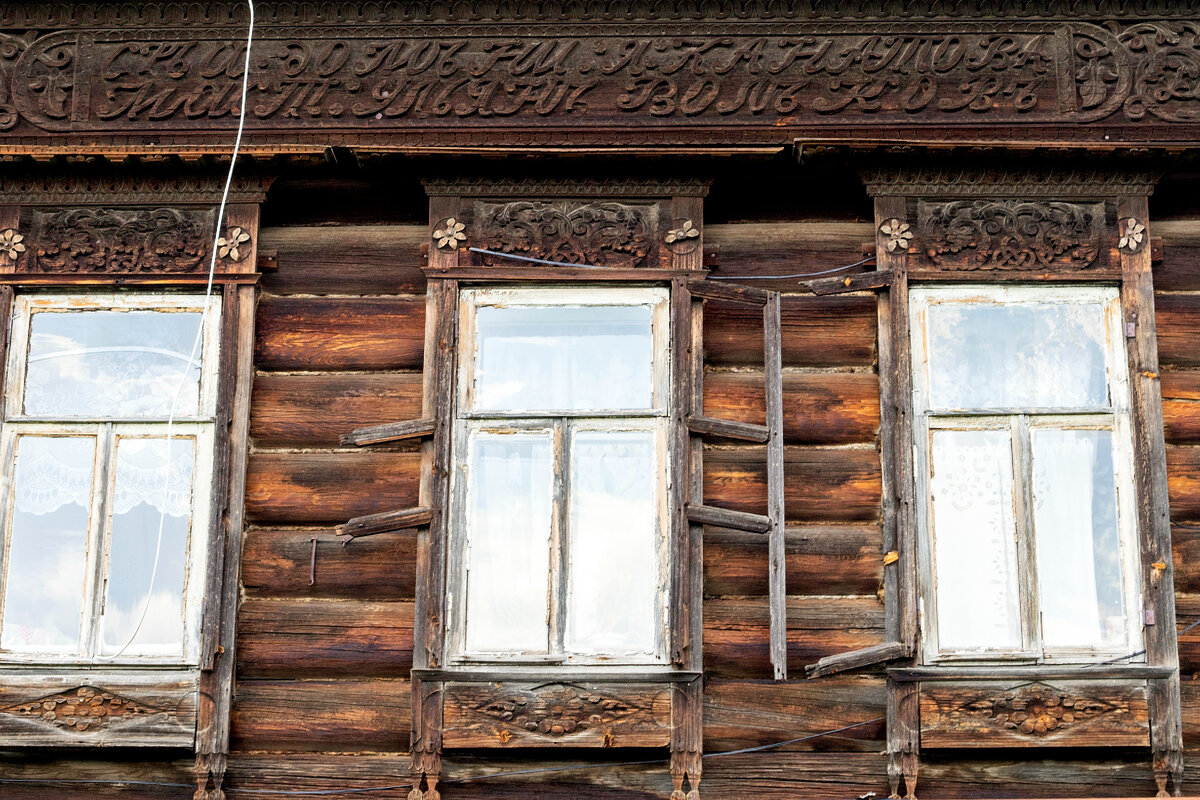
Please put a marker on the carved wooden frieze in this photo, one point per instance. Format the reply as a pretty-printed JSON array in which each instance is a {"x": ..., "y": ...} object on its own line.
[
  {"x": 1033, "y": 715},
  {"x": 1007, "y": 234},
  {"x": 607, "y": 234},
  {"x": 559, "y": 714},
  {"x": 726, "y": 79},
  {"x": 100, "y": 240},
  {"x": 105, "y": 708},
  {"x": 81, "y": 709}
]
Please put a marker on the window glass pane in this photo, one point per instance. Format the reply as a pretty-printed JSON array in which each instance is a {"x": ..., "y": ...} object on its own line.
[
  {"x": 146, "y": 495},
  {"x": 569, "y": 358},
  {"x": 112, "y": 364},
  {"x": 47, "y": 550},
  {"x": 613, "y": 572},
  {"x": 508, "y": 553},
  {"x": 1017, "y": 355},
  {"x": 1078, "y": 544},
  {"x": 973, "y": 540}
]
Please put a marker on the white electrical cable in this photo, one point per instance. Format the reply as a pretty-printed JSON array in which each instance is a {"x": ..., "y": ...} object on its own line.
[{"x": 183, "y": 379}]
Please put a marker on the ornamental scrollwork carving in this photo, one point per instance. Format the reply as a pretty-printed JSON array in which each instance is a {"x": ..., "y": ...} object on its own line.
[
  {"x": 599, "y": 234},
  {"x": 1034, "y": 712},
  {"x": 558, "y": 712},
  {"x": 1010, "y": 234},
  {"x": 361, "y": 77},
  {"x": 81, "y": 709},
  {"x": 84, "y": 240}
]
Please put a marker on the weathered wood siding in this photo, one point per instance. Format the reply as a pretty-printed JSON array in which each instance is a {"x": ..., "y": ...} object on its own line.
[{"x": 323, "y": 667}]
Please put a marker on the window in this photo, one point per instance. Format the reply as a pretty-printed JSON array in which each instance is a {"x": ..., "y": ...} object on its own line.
[
  {"x": 560, "y": 481},
  {"x": 105, "y": 510},
  {"x": 1022, "y": 440}
]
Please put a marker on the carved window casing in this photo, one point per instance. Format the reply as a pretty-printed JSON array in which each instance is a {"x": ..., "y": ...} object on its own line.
[
  {"x": 1018, "y": 354},
  {"x": 563, "y": 418},
  {"x": 103, "y": 275}
]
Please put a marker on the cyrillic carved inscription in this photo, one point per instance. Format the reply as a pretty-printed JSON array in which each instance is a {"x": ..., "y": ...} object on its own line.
[
  {"x": 361, "y": 76},
  {"x": 1010, "y": 234},
  {"x": 600, "y": 234}
]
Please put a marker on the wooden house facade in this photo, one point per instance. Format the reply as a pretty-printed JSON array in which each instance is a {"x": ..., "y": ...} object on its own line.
[{"x": 730, "y": 398}]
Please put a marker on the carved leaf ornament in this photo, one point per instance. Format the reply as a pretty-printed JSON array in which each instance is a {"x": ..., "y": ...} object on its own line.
[
  {"x": 1011, "y": 234},
  {"x": 1035, "y": 711},
  {"x": 603, "y": 234},
  {"x": 98, "y": 240},
  {"x": 560, "y": 712},
  {"x": 81, "y": 709}
]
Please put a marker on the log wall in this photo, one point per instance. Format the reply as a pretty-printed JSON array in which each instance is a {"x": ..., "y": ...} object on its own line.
[
  {"x": 322, "y": 694},
  {"x": 323, "y": 667}
]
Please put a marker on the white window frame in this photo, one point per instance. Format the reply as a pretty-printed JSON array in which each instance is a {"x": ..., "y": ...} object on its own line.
[
  {"x": 562, "y": 423},
  {"x": 108, "y": 430},
  {"x": 1020, "y": 421}
]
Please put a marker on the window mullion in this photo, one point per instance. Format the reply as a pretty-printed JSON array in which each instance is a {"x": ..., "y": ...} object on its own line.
[
  {"x": 97, "y": 547},
  {"x": 557, "y": 601},
  {"x": 1031, "y": 618}
]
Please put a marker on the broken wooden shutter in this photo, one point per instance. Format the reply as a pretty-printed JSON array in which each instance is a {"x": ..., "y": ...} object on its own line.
[
  {"x": 771, "y": 434},
  {"x": 388, "y": 521}
]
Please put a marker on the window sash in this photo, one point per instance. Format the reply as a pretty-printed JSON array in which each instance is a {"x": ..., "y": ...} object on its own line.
[
  {"x": 1020, "y": 424},
  {"x": 108, "y": 431},
  {"x": 99, "y": 536},
  {"x": 561, "y": 424}
]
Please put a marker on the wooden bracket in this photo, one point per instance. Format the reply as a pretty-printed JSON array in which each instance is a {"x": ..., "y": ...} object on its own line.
[
  {"x": 386, "y": 522},
  {"x": 857, "y": 659},
  {"x": 390, "y": 432},
  {"x": 210, "y": 775},
  {"x": 859, "y": 282}
]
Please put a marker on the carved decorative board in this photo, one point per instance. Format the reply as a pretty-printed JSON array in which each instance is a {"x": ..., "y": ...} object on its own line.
[
  {"x": 99, "y": 710},
  {"x": 1063, "y": 714},
  {"x": 556, "y": 715},
  {"x": 639, "y": 74}
]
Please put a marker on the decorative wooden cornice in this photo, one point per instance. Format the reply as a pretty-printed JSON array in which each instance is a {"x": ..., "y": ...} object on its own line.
[
  {"x": 101, "y": 184},
  {"x": 922, "y": 179},
  {"x": 567, "y": 188},
  {"x": 580, "y": 74}
]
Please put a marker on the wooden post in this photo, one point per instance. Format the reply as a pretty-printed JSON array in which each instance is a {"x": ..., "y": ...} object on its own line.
[
  {"x": 1150, "y": 473},
  {"x": 899, "y": 530}
]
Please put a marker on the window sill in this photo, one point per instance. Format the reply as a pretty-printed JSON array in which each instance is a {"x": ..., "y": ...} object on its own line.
[{"x": 1038, "y": 672}]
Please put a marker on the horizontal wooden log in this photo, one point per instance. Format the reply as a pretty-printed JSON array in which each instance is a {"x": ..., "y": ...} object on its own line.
[
  {"x": 766, "y": 775},
  {"x": 818, "y": 408},
  {"x": 1185, "y": 545},
  {"x": 853, "y": 281},
  {"x": 1177, "y": 317},
  {"x": 856, "y": 659},
  {"x": 326, "y": 638},
  {"x": 1037, "y": 715},
  {"x": 786, "y": 248},
  {"x": 1180, "y": 267},
  {"x": 749, "y": 713},
  {"x": 824, "y": 560},
  {"x": 820, "y": 484},
  {"x": 1181, "y": 406},
  {"x": 277, "y": 563},
  {"x": 328, "y": 259},
  {"x": 729, "y": 429},
  {"x": 389, "y": 432},
  {"x": 1183, "y": 482},
  {"x": 301, "y": 488},
  {"x": 343, "y": 333},
  {"x": 1189, "y": 692},
  {"x": 737, "y": 632},
  {"x": 46, "y": 774},
  {"x": 314, "y": 410},
  {"x": 316, "y": 715},
  {"x": 724, "y": 518},
  {"x": 817, "y": 332},
  {"x": 387, "y": 522}
]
